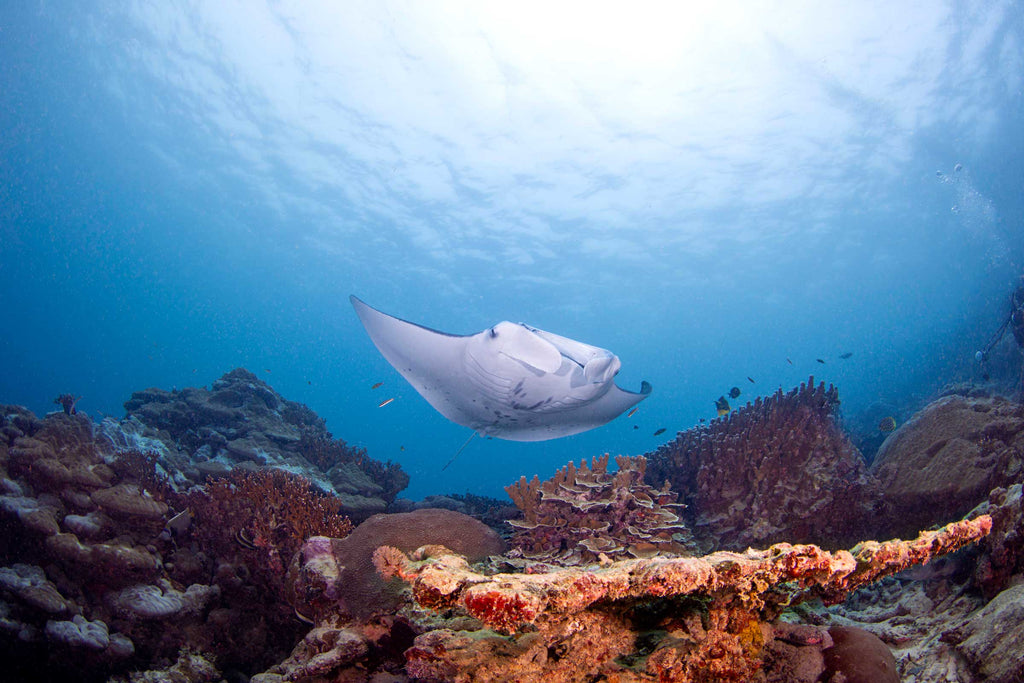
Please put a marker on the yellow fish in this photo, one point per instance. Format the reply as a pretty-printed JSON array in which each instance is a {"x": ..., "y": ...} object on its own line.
[{"x": 722, "y": 406}]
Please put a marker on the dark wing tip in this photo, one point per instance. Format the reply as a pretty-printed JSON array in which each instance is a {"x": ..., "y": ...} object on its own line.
[{"x": 645, "y": 387}]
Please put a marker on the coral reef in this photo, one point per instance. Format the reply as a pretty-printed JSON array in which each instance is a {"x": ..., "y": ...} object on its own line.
[
  {"x": 265, "y": 516},
  {"x": 67, "y": 402},
  {"x": 705, "y": 617},
  {"x": 135, "y": 552},
  {"x": 860, "y": 656},
  {"x": 585, "y": 514},
  {"x": 948, "y": 620},
  {"x": 1002, "y": 552},
  {"x": 779, "y": 469},
  {"x": 242, "y": 422},
  {"x": 337, "y": 576},
  {"x": 946, "y": 459},
  {"x": 95, "y": 559}
]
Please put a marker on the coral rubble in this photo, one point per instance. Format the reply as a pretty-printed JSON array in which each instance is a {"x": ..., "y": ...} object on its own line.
[
  {"x": 586, "y": 513},
  {"x": 778, "y": 469}
]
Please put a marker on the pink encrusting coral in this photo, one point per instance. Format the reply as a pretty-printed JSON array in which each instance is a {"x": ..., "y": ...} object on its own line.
[
  {"x": 585, "y": 514},
  {"x": 777, "y": 469},
  {"x": 708, "y": 617}
]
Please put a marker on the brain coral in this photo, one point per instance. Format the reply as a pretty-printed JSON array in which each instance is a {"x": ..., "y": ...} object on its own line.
[
  {"x": 947, "y": 458},
  {"x": 585, "y": 512},
  {"x": 779, "y": 469},
  {"x": 354, "y": 582}
]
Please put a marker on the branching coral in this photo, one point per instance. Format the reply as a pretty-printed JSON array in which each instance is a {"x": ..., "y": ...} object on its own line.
[
  {"x": 586, "y": 512},
  {"x": 779, "y": 469},
  {"x": 327, "y": 453},
  {"x": 269, "y": 512}
]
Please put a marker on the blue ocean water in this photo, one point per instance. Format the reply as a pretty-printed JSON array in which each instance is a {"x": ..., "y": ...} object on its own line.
[{"x": 711, "y": 193}]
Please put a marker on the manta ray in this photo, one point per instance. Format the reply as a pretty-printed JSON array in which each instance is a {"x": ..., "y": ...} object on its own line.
[{"x": 510, "y": 381}]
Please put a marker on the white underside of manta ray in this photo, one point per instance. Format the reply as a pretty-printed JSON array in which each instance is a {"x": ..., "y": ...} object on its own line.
[{"x": 511, "y": 381}]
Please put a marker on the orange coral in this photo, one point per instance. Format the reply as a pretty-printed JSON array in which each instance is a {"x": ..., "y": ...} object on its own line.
[
  {"x": 758, "y": 579},
  {"x": 705, "y": 618}
]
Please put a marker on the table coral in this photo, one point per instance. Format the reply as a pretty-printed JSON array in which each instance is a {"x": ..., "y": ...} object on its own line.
[
  {"x": 729, "y": 594},
  {"x": 777, "y": 469},
  {"x": 586, "y": 512}
]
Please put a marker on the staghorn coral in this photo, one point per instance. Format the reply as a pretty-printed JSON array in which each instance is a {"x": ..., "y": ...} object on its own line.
[
  {"x": 778, "y": 469},
  {"x": 705, "y": 617},
  {"x": 585, "y": 513}
]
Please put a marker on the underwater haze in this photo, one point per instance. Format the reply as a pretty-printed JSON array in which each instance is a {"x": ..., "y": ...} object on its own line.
[{"x": 712, "y": 191}]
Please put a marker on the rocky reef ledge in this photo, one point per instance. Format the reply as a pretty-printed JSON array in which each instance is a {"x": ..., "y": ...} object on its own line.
[{"x": 699, "y": 618}]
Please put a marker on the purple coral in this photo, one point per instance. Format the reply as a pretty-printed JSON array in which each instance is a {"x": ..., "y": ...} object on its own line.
[
  {"x": 779, "y": 469},
  {"x": 586, "y": 514}
]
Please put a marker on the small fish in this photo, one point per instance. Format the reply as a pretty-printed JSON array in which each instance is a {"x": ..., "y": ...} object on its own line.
[
  {"x": 266, "y": 369},
  {"x": 734, "y": 392},
  {"x": 632, "y": 412},
  {"x": 384, "y": 403},
  {"x": 660, "y": 430},
  {"x": 309, "y": 382},
  {"x": 887, "y": 425},
  {"x": 751, "y": 379},
  {"x": 846, "y": 355},
  {"x": 820, "y": 361},
  {"x": 401, "y": 448},
  {"x": 722, "y": 406},
  {"x": 378, "y": 385},
  {"x": 242, "y": 539},
  {"x": 303, "y": 618},
  {"x": 702, "y": 420},
  {"x": 636, "y": 426},
  {"x": 180, "y": 523},
  {"x": 789, "y": 361}
]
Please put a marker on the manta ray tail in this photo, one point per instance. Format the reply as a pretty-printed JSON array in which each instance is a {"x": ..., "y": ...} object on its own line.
[{"x": 461, "y": 448}]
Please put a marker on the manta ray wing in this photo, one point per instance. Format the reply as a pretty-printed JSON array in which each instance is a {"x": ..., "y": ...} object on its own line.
[{"x": 510, "y": 381}]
